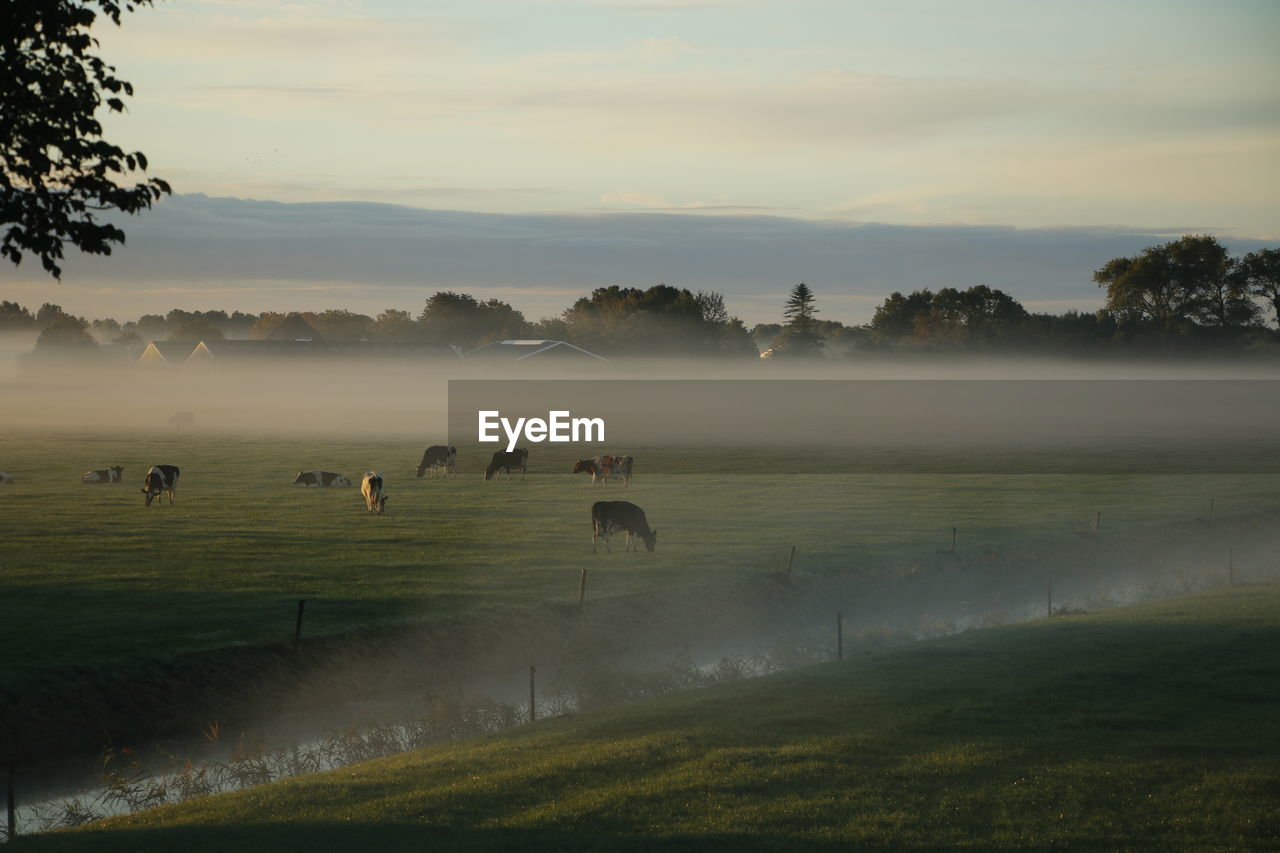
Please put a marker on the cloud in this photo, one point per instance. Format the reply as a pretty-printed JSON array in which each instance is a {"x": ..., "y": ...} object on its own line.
[{"x": 240, "y": 254}]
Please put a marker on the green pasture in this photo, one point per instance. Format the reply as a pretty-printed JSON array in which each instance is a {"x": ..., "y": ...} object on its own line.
[
  {"x": 92, "y": 578},
  {"x": 1144, "y": 728}
]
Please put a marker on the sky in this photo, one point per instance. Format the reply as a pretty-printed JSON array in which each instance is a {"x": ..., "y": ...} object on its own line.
[{"x": 398, "y": 148}]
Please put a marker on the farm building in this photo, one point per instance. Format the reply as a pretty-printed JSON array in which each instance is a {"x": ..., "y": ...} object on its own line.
[
  {"x": 177, "y": 354},
  {"x": 523, "y": 351}
]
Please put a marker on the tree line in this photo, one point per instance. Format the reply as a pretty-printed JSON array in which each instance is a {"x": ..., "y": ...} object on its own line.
[{"x": 1188, "y": 295}]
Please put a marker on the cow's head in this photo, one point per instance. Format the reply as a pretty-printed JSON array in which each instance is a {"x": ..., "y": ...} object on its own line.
[
  {"x": 584, "y": 466},
  {"x": 650, "y": 540},
  {"x": 298, "y": 479},
  {"x": 422, "y": 469},
  {"x": 152, "y": 488},
  {"x": 380, "y": 504}
]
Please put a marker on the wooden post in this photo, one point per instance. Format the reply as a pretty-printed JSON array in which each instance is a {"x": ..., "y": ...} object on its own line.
[
  {"x": 11, "y": 810},
  {"x": 1097, "y": 521},
  {"x": 1050, "y": 596},
  {"x": 839, "y": 636},
  {"x": 582, "y": 587},
  {"x": 297, "y": 630},
  {"x": 790, "y": 557},
  {"x": 1231, "y": 567},
  {"x": 1211, "y": 510},
  {"x": 953, "y": 540},
  {"x": 533, "y": 713}
]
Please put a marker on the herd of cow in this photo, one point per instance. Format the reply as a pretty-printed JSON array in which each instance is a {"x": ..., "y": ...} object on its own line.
[{"x": 607, "y": 517}]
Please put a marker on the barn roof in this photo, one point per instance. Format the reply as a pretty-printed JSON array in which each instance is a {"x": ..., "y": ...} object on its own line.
[{"x": 520, "y": 350}]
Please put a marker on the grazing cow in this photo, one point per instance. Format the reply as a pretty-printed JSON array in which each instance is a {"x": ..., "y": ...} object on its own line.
[
  {"x": 5, "y": 478},
  {"x": 604, "y": 467},
  {"x": 161, "y": 478},
  {"x": 609, "y": 517},
  {"x": 504, "y": 460},
  {"x": 111, "y": 475},
  {"x": 182, "y": 419},
  {"x": 320, "y": 479},
  {"x": 440, "y": 458},
  {"x": 374, "y": 497}
]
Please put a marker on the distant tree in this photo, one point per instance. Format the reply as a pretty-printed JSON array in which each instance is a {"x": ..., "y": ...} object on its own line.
[
  {"x": 800, "y": 337},
  {"x": 896, "y": 316},
  {"x": 149, "y": 327},
  {"x": 765, "y": 335},
  {"x": 392, "y": 325},
  {"x": 193, "y": 327},
  {"x": 66, "y": 332},
  {"x": 1259, "y": 272},
  {"x": 14, "y": 317},
  {"x": 56, "y": 170},
  {"x": 47, "y": 313},
  {"x": 660, "y": 320},
  {"x": 337, "y": 324},
  {"x": 1176, "y": 285},
  {"x": 105, "y": 331},
  {"x": 462, "y": 320},
  {"x": 266, "y": 324}
]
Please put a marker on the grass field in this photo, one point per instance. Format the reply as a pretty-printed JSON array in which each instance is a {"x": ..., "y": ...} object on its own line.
[
  {"x": 97, "y": 589},
  {"x": 1144, "y": 728}
]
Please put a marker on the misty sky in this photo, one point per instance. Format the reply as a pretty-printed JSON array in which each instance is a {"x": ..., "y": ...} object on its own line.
[{"x": 736, "y": 145}]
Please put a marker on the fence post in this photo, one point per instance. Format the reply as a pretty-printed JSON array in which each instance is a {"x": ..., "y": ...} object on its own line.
[
  {"x": 297, "y": 630},
  {"x": 953, "y": 540},
  {"x": 791, "y": 556},
  {"x": 533, "y": 713},
  {"x": 1097, "y": 521},
  {"x": 1211, "y": 510},
  {"x": 1050, "y": 596},
  {"x": 582, "y": 586},
  {"x": 1231, "y": 567},
  {"x": 839, "y": 636},
  {"x": 11, "y": 810}
]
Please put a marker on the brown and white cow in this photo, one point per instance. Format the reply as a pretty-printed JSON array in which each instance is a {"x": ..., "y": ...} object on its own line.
[
  {"x": 604, "y": 467},
  {"x": 374, "y": 497},
  {"x": 609, "y": 517},
  {"x": 320, "y": 479},
  {"x": 504, "y": 460},
  {"x": 110, "y": 475},
  {"x": 161, "y": 478},
  {"x": 440, "y": 459}
]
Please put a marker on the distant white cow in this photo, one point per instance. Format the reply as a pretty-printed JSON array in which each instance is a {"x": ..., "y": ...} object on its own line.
[
  {"x": 110, "y": 475},
  {"x": 374, "y": 497},
  {"x": 321, "y": 479},
  {"x": 5, "y": 478},
  {"x": 440, "y": 459}
]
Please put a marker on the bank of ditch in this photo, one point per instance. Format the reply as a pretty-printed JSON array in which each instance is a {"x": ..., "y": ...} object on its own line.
[{"x": 794, "y": 614}]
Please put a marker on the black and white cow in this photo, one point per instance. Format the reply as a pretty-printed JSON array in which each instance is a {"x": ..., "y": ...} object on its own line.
[
  {"x": 440, "y": 458},
  {"x": 609, "y": 517},
  {"x": 374, "y": 497},
  {"x": 111, "y": 475},
  {"x": 504, "y": 460},
  {"x": 320, "y": 479},
  {"x": 5, "y": 478},
  {"x": 161, "y": 478}
]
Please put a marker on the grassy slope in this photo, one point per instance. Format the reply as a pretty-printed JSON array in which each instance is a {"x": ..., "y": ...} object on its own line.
[{"x": 1151, "y": 727}]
